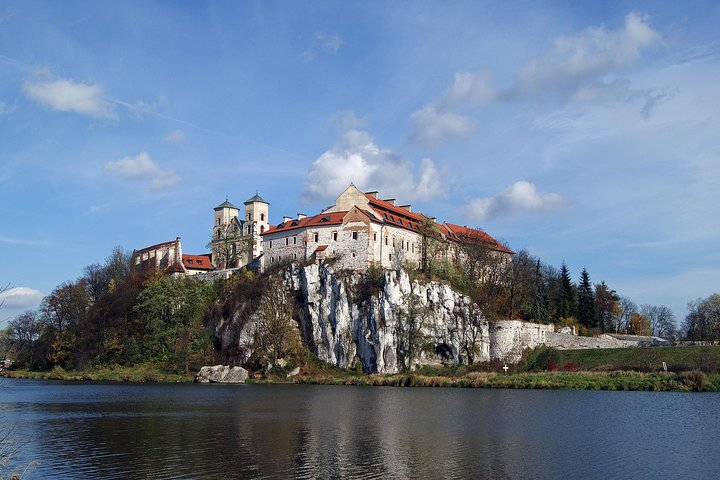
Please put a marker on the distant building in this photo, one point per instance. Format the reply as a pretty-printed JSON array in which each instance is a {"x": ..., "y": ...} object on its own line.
[
  {"x": 361, "y": 229},
  {"x": 358, "y": 230}
]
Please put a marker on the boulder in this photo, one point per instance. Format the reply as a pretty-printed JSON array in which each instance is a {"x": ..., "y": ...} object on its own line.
[{"x": 221, "y": 374}]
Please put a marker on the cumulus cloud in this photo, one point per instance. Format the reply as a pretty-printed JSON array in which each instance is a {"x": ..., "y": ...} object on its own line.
[
  {"x": 20, "y": 297},
  {"x": 440, "y": 119},
  {"x": 323, "y": 42},
  {"x": 520, "y": 197},
  {"x": 431, "y": 125},
  {"x": 142, "y": 166},
  {"x": 358, "y": 159},
  {"x": 69, "y": 96}
]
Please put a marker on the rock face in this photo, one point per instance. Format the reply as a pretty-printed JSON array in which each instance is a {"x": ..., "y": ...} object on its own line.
[
  {"x": 221, "y": 374},
  {"x": 346, "y": 319}
]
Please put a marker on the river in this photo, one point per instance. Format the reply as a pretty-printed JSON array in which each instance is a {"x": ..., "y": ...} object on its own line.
[{"x": 103, "y": 430}]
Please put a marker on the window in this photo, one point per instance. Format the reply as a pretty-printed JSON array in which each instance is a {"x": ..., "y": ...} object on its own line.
[
  {"x": 249, "y": 216},
  {"x": 294, "y": 256},
  {"x": 354, "y": 236},
  {"x": 262, "y": 217},
  {"x": 316, "y": 236},
  {"x": 262, "y": 228},
  {"x": 374, "y": 237},
  {"x": 295, "y": 240},
  {"x": 335, "y": 236},
  {"x": 270, "y": 243},
  {"x": 386, "y": 240},
  {"x": 390, "y": 256},
  {"x": 287, "y": 241},
  {"x": 413, "y": 248},
  {"x": 402, "y": 245},
  {"x": 393, "y": 241}
]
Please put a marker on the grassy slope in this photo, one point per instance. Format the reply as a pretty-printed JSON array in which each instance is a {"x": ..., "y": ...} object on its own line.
[{"x": 703, "y": 358}]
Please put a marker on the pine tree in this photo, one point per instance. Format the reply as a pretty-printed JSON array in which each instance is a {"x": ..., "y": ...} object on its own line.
[
  {"x": 541, "y": 300},
  {"x": 567, "y": 306},
  {"x": 586, "y": 301}
]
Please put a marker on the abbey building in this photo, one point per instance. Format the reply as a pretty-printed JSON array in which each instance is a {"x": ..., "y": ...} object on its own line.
[{"x": 360, "y": 229}]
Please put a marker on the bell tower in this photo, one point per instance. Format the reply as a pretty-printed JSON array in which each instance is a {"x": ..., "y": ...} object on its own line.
[
  {"x": 256, "y": 221},
  {"x": 222, "y": 227}
]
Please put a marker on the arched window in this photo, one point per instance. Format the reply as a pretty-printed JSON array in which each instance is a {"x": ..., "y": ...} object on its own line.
[
  {"x": 262, "y": 217},
  {"x": 262, "y": 228}
]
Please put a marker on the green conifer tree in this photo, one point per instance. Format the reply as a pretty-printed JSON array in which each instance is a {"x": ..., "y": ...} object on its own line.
[
  {"x": 567, "y": 306},
  {"x": 541, "y": 299},
  {"x": 586, "y": 301}
]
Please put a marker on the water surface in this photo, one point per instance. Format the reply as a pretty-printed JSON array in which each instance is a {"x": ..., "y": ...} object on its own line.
[{"x": 95, "y": 430}]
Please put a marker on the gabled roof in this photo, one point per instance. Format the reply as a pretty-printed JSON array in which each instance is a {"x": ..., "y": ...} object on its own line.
[
  {"x": 197, "y": 262},
  {"x": 226, "y": 204},
  {"x": 334, "y": 218},
  {"x": 254, "y": 199},
  {"x": 383, "y": 206},
  {"x": 472, "y": 233}
]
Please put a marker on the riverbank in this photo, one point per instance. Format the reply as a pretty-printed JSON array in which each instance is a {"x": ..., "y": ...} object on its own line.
[
  {"x": 694, "y": 381},
  {"x": 139, "y": 374}
]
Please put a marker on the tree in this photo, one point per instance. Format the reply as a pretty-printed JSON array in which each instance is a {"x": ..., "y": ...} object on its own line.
[
  {"x": 566, "y": 304},
  {"x": 431, "y": 244},
  {"x": 23, "y": 336},
  {"x": 586, "y": 301},
  {"x": 541, "y": 300},
  {"x": 662, "y": 320},
  {"x": 230, "y": 246},
  {"x": 470, "y": 328},
  {"x": 520, "y": 285},
  {"x": 639, "y": 325},
  {"x": 702, "y": 323},
  {"x": 412, "y": 318},
  {"x": 627, "y": 308},
  {"x": 275, "y": 332},
  {"x": 606, "y": 307}
]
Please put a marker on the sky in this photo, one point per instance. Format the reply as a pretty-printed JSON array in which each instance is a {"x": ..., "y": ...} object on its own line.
[{"x": 585, "y": 132}]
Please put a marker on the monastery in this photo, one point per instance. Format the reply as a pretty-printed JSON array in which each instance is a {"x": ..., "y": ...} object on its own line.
[{"x": 360, "y": 229}]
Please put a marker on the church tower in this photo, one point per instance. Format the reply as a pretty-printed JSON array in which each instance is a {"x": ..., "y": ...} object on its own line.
[
  {"x": 256, "y": 221},
  {"x": 225, "y": 226}
]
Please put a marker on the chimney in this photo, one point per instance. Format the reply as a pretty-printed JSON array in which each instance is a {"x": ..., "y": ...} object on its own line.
[
  {"x": 286, "y": 219},
  {"x": 300, "y": 216},
  {"x": 433, "y": 219},
  {"x": 407, "y": 207},
  {"x": 391, "y": 201},
  {"x": 372, "y": 194}
]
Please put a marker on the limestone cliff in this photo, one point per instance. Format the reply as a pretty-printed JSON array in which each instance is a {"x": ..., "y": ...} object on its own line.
[{"x": 387, "y": 325}]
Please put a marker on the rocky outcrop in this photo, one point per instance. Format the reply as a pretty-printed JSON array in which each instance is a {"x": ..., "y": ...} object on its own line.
[
  {"x": 392, "y": 322},
  {"x": 221, "y": 374}
]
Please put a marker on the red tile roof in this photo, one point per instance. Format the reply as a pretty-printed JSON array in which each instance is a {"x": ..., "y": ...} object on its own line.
[
  {"x": 334, "y": 218},
  {"x": 389, "y": 208},
  {"x": 473, "y": 233},
  {"x": 197, "y": 262},
  {"x": 321, "y": 248}
]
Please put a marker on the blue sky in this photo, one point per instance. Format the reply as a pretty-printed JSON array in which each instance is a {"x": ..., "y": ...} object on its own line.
[{"x": 586, "y": 132}]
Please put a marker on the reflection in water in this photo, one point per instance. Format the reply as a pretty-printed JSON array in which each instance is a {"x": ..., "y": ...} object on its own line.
[{"x": 253, "y": 431}]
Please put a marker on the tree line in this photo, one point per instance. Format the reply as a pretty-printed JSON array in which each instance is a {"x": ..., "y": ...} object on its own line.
[{"x": 112, "y": 315}]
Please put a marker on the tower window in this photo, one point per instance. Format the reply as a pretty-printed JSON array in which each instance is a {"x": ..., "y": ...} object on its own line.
[
  {"x": 262, "y": 228},
  {"x": 262, "y": 217}
]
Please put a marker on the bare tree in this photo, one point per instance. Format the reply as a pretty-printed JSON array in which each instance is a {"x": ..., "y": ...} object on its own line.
[
  {"x": 275, "y": 334},
  {"x": 470, "y": 327},
  {"x": 412, "y": 321},
  {"x": 230, "y": 246},
  {"x": 662, "y": 320}
]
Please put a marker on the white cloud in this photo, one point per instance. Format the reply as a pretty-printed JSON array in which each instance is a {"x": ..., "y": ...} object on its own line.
[
  {"x": 69, "y": 96},
  {"x": 142, "y": 166},
  {"x": 20, "y": 297},
  {"x": 473, "y": 88},
  {"x": 359, "y": 160},
  {"x": 577, "y": 68},
  {"x": 176, "y": 136},
  {"x": 432, "y": 125},
  {"x": 520, "y": 197}
]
